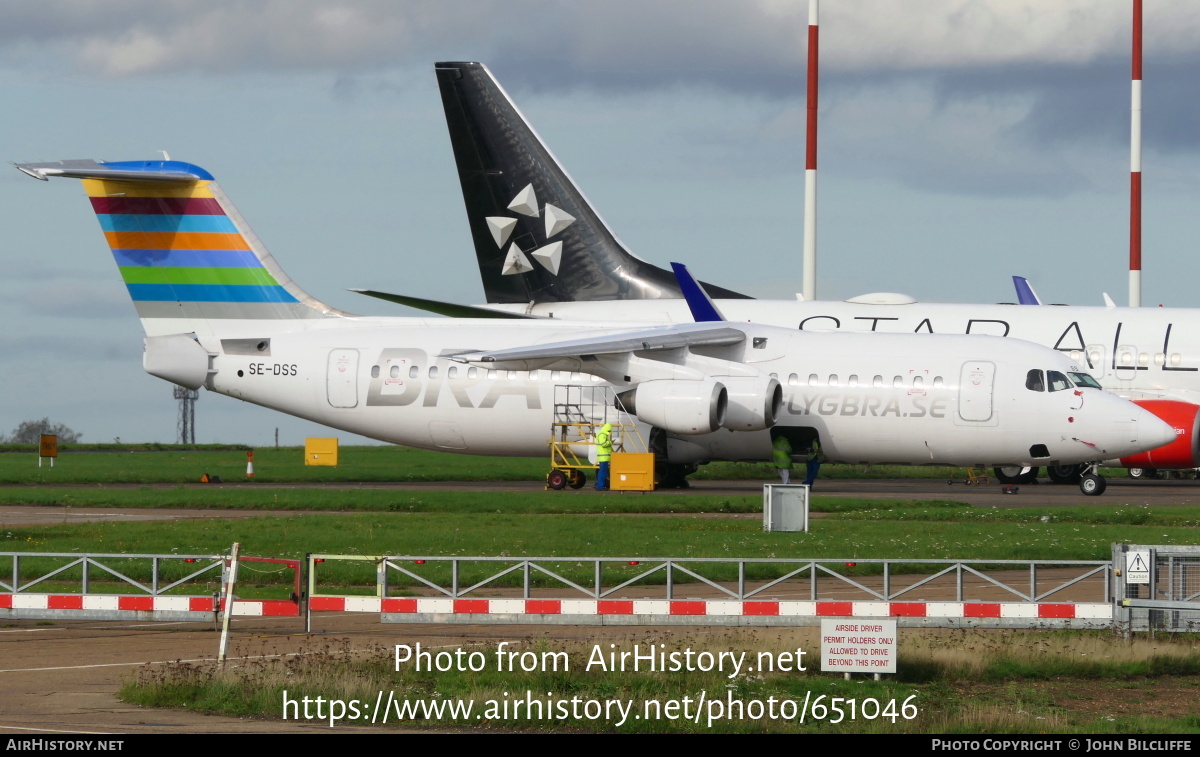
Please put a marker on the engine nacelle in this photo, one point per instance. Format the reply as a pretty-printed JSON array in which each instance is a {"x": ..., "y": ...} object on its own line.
[
  {"x": 1181, "y": 453},
  {"x": 754, "y": 402},
  {"x": 178, "y": 358},
  {"x": 681, "y": 407}
]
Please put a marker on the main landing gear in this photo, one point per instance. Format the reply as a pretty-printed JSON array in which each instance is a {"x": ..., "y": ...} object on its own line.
[{"x": 1015, "y": 474}]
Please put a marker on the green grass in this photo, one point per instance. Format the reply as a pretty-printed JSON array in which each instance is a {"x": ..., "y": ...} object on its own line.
[
  {"x": 579, "y": 535},
  {"x": 340, "y": 499},
  {"x": 163, "y": 464},
  {"x": 491, "y": 533},
  {"x": 941, "y": 677}
]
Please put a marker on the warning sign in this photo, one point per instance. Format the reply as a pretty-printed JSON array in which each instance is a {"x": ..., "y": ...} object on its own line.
[
  {"x": 858, "y": 646},
  {"x": 1137, "y": 567}
]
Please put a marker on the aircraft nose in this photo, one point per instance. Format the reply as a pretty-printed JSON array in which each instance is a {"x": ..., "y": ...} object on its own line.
[{"x": 1152, "y": 430}]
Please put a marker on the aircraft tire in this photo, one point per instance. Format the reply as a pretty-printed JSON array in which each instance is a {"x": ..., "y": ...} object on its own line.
[
  {"x": 1138, "y": 473},
  {"x": 1065, "y": 474},
  {"x": 576, "y": 479},
  {"x": 1092, "y": 485},
  {"x": 1015, "y": 474},
  {"x": 556, "y": 480}
]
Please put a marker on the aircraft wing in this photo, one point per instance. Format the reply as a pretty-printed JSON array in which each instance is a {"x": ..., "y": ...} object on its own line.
[
  {"x": 443, "y": 308},
  {"x": 649, "y": 340}
]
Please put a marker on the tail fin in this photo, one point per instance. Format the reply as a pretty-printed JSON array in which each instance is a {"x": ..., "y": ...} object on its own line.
[
  {"x": 521, "y": 204},
  {"x": 187, "y": 256},
  {"x": 1025, "y": 293}
]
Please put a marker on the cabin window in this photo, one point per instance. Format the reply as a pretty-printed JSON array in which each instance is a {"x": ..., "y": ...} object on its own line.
[
  {"x": 1159, "y": 358},
  {"x": 512, "y": 375},
  {"x": 472, "y": 372},
  {"x": 853, "y": 380},
  {"x": 938, "y": 382},
  {"x": 1176, "y": 358},
  {"x": 491, "y": 374},
  {"x": 433, "y": 371},
  {"x": 533, "y": 375},
  {"x": 1143, "y": 359},
  {"x": 1126, "y": 358},
  {"x": 918, "y": 382},
  {"x": 833, "y": 380},
  {"x": 1035, "y": 381},
  {"x": 793, "y": 380},
  {"x": 1057, "y": 381},
  {"x": 576, "y": 376},
  {"x": 394, "y": 372},
  {"x": 877, "y": 381},
  {"x": 452, "y": 372},
  {"x": 556, "y": 375},
  {"x": 813, "y": 379},
  {"x": 414, "y": 372},
  {"x": 898, "y": 382},
  {"x": 374, "y": 371},
  {"x": 595, "y": 379},
  {"x": 1077, "y": 355}
]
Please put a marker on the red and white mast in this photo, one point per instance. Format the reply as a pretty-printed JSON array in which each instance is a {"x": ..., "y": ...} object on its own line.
[
  {"x": 810, "y": 163},
  {"x": 1135, "y": 165}
]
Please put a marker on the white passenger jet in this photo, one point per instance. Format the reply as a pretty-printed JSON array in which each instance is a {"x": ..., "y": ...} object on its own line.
[
  {"x": 219, "y": 312},
  {"x": 543, "y": 250}
]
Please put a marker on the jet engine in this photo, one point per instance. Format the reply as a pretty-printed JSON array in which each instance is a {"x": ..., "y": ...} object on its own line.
[
  {"x": 679, "y": 406},
  {"x": 754, "y": 402},
  {"x": 1184, "y": 417}
]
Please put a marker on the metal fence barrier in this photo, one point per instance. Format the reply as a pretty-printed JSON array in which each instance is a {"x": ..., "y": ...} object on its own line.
[
  {"x": 715, "y": 591},
  {"x": 65, "y": 585}
]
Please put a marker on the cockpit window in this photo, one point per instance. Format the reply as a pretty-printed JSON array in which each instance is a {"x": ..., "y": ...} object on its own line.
[
  {"x": 1035, "y": 381},
  {"x": 1085, "y": 379},
  {"x": 1058, "y": 381}
]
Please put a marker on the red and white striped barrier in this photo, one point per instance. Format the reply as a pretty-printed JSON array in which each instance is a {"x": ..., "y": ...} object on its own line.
[
  {"x": 107, "y": 604},
  {"x": 656, "y": 610}
]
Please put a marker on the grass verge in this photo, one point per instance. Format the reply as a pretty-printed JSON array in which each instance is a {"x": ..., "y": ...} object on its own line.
[{"x": 572, "y": 686}]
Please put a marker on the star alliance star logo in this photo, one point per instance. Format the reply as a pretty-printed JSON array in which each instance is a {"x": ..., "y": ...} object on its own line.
[{"x": 548, "y": 255}]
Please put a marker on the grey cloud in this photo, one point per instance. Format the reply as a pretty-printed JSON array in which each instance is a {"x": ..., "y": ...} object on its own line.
[
  {"x": 77, "y": 349},
  {"x": 552, "y": 43}
]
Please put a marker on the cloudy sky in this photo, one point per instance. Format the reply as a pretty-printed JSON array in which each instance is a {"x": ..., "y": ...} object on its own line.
[{"x": 962, "y": 141}]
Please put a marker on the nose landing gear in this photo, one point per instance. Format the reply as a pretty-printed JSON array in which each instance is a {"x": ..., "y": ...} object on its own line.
[{"x": 1091, "y": 482}]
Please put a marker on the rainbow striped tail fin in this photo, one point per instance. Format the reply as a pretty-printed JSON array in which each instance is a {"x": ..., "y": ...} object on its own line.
[{"x": 190, "y": 261}]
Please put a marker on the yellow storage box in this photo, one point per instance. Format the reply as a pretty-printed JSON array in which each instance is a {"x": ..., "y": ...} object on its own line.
[
  {"x": 321, "y": 451},
  {"x": 631, "y": 472}
]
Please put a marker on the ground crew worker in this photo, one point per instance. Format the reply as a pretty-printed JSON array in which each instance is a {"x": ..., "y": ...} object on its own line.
[
  {"x": 783, "y": 458},
  {"x": 813, "y": 464},
  {"x": 603, "y": 455}
]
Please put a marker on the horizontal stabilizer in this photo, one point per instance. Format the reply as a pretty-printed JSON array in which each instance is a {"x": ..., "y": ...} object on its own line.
[
  {"x": 450, "y": 309},
  {"x": 132, "y": 170}
]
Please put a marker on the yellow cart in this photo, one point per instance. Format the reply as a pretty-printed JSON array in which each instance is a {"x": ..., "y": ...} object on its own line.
[{"x": 579, "y": 412}]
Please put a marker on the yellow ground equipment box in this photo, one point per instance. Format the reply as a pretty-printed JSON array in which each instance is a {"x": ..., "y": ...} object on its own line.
[
  {"x": 631, "y": 472},
  {"x": 318, "y": 451}
]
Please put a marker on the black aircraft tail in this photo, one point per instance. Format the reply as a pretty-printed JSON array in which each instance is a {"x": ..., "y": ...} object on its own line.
[{"x": 537, "y": 239}]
